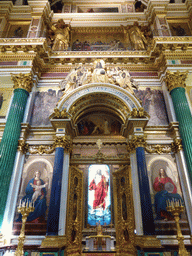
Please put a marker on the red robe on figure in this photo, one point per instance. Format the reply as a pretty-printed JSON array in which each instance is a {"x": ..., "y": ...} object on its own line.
[{"x": 101, "y": 190}]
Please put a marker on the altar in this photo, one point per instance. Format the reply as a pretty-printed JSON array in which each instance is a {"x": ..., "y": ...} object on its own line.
[{"x": 100, "y": 242}]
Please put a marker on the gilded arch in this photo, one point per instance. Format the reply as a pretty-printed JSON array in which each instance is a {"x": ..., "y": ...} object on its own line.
[{"x": 99, "y": 97}]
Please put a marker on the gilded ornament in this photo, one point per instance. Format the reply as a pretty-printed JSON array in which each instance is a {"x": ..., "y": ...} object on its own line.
[
  {"x": 159, "y": 149},
  {"x": 140, "y": 113},
  {"x": 24, "y": 208},
  {"x": 57, "y": 114},
  {"x": 124, "y": 212},
  {"x": 54, "y": 242},
  {"x": 63, "y": 141},
  {"x": 23, "y": 146},
  {"x": 136, "y": 141},
  {"x": 42, "y": 149},
  {"x": 147, "y": 242},
  {"x": 175, "y": 79},
  {"x": 3, "y": 49},
  {"x": 176, "y": 146},
  {"x": 176, "y": 208},
  {"x": 59, "y": 36},
  {"x": 22, "y": 81},
  {"x": 75, "y": 212}
]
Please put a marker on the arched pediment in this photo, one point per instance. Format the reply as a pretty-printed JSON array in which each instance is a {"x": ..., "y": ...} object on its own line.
[{"x": 99, "y": 97}]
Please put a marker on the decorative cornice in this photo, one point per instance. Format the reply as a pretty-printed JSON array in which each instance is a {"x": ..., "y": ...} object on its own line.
[
  {"x": 22, "y": 81},
  {"x": 175, "y": 79}
]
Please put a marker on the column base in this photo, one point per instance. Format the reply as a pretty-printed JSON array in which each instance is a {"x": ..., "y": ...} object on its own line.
[
  {"x": 147, "y": 242},
  {"x": 54, "y": 242}
]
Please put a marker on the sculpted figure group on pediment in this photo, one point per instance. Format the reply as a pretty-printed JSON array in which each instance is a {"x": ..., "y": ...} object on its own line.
[{"x": 99, "y": 74}]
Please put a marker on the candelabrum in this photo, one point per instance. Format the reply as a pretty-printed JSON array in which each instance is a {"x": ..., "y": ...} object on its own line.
[
  {"x": 176, "y": 208},
  {"x": 24, "y": 208}
]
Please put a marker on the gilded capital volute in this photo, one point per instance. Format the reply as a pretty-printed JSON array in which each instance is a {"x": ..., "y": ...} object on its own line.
[
  {"x": 175, "y": 79},
  {"x": 137, "y": 141},
  {"x": 63, "y": 142},
  {"x": 22, "y": 81}
]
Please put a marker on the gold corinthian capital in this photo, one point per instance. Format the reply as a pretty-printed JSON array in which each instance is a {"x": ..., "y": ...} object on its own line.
[
  {"x": 63, "y": 142},
  {"x": 137, "y": 141},
  {"x": 175, "y": 79},
  {"x": 22, "y": 81}
]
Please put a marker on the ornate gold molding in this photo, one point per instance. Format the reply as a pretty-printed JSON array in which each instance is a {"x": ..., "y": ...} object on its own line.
[
  {"x": 175, "y": 79},
  {"x": 136, "y": 141},
  {"x": 42, "y": 149},
  {"x": 176, "y": 146},
  {"x": 159, "y": 149},
  {"x": 140, "y": 113},
  {"x": 54, "y": 242},
  {"x": 63, "y": 141},
  {"x": 57, "y": 114},
  {"x": 75, "y": 211},
  {"x": 23, "y": 146},
  {"x": 147, "y": 241},
  {"x": 22, "y": 81},
  {"x": 124, "y": 212}
]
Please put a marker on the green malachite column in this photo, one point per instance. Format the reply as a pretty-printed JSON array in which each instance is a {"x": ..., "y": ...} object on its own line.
[
  {"x": 9, "y": 142},
  {"x": 176, "y": 83}
]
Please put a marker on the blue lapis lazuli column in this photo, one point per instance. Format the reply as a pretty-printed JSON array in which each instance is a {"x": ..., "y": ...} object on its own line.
[
  {"x": 54, "y": 206},
  {"x": 146, "y": 206}
]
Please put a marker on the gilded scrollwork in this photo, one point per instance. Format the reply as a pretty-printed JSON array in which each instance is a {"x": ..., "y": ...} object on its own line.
[
  {"x": 22, "y": 81},
  {"x": 124, "y": 212},
  {"x": 176, "y": 146},
  {"x": 63, "y": 141},
  {"x": 138, "y": 113},
  {"x": 159, "y": 149},
  {"x": 57, "y": 114},
  {"x": 136, "y": 141},
  {"x": 23, "y": 146},
  {"x": 75, "y": 211},
  {"x": 175, "y": 79},
  {"x": 41, "y": 149}
]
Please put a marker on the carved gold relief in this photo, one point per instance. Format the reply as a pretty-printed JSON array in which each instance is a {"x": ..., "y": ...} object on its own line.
[
  {"x": 75, "y": 211},
  {"x": 23, "y": 146},
  {"x": 159, "y": 149},
  {"x": 140, "y": 113},
  {"x": 63, "y": 141},
  {"x": 124, "y": 212},
  {"x": 175, "y": 79},
  {"x": 54, "y": 242},
  {"x": 22, "y": 81},
  {"x": 57, "y": 114},
  {"x": 42, "y": 149},
  {"x": 135, "y": 142},
  {"x": 147, "y": 241},
  {"x": 176, "y": 145}
]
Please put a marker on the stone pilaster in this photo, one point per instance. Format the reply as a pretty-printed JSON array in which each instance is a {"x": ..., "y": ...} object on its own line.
[
  {"x": 176, "y": 85},
  {"x": 8, "y": 147}
]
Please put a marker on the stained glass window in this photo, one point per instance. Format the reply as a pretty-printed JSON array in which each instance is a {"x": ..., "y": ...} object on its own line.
[{"x": 99, "y": 195}]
